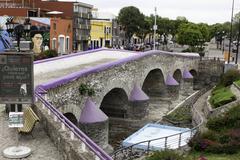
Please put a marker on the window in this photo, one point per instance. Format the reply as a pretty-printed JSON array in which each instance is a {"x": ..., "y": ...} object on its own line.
[
  {"x": 75, "y": 9},
  {"x": 67, "y": 43},
  {"x": 54, "y": 43}
]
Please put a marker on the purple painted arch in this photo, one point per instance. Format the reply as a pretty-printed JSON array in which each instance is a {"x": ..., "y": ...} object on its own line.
[
  {"x": 170, "y": 81},
  {"x": 91, "y": 113},
  {"x": 137, "y": 94},
  {"x": 187, "y": 74}
]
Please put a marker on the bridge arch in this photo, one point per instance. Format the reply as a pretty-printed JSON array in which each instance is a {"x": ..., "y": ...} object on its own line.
[
  {"x": 71, "y": 117},
  {"x": 115, "y": 103},
  {"x": 154, "y": 83},
  {"x": 194, "y": 74},
  {"x": 177, "y": 75}
]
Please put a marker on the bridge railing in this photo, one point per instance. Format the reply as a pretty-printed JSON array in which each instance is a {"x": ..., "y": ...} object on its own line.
[
  {"x": 176, "y": 140},
  {"x": 75, "y": 131}
]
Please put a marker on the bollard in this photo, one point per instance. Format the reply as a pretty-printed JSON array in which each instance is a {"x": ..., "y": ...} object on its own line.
[
  {"x": 49, "y": 112},
  {"x": 63, "y": 126},
  {"x": 72, "y": 135}
]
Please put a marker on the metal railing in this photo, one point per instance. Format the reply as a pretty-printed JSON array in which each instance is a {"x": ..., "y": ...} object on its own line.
[
  {"x": 74, "y": 131},
  {"x": 212, "y": 58},
  {"x": 132, "y": 151}
]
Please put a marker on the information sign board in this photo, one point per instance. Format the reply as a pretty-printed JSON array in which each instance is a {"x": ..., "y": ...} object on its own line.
[
  {"x": 16, "y": 78},
  {"x": 15, "y": 119}
]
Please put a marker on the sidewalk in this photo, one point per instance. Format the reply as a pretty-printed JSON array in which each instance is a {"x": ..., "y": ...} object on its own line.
[{"x": 42, "y": 147}]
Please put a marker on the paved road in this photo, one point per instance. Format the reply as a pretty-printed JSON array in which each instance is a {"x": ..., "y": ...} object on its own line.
[{"x": 47, "y": 71}]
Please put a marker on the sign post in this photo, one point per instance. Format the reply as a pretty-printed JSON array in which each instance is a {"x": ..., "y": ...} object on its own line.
[{"x": 16, "y": 87}]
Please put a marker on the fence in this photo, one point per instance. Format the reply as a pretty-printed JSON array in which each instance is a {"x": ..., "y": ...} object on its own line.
[
  {"x": 74, "y": 131},
  {"x": 131, "y": 151}
]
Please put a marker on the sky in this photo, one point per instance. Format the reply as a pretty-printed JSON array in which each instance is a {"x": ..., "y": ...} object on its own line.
[{"x": 207, "y": 11}]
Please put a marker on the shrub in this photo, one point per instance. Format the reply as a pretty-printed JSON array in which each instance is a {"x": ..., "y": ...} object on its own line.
[
  {"x": 50, "y": 53},
  {"x": 229, "y": 77},
  {"x": 84, "y": 89},
  {"x": 224, "y": 148},
  {"x": 238, "y": 83},
  {"x": 165, "y": 155},
  {"x": 234, "y": 134},
  {"x": 216, "y": 124},
  {"x": 221, "y": 96},
  {"x": 46, "y": 54},
  {"x": 181, "y": 114}
]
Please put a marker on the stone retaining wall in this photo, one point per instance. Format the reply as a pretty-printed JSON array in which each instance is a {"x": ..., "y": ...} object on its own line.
[{"x": 196, "y": 119}]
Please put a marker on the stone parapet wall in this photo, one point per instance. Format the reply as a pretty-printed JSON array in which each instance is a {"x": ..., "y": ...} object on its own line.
[{"x": 71, "y": 149}]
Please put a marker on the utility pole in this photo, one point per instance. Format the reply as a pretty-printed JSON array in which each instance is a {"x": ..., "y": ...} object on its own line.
[
  {"x": 230, "y": 39},
  {"x": 236, "y": 60},
  {"x": 154, "y": 29}
]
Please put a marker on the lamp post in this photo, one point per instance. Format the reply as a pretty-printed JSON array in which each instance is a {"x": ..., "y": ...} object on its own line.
[
  {"x": 155, "y": 28},
  {"x": 236, "y": 60},
  {"x": 230, "y": 39}
]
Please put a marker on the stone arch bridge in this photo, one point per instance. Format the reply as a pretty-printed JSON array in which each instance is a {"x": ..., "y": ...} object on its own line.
[{"x": 120, "y": 88}]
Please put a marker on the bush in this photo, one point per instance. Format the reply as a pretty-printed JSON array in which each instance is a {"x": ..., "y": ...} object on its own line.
[
  {"x": 84, "y": 89},
  {"x": 166, "y": 155},
  {"x": 223, "y": 135},
  {"x": 221, "y": 96},
  {"x": 50, "y": 53},
  {"x": 181, "y": 114},
  {"x": 229, "y": 77},
  {"x": 46, "y": 54},
  {"x": 238, "y": 83}
]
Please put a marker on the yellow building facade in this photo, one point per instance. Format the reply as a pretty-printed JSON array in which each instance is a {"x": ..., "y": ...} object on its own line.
[{"x": 101, "y": 33}]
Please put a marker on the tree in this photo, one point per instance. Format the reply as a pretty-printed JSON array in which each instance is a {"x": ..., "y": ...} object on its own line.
[
  {"x": 131, "y": 20},
  {"x": 144, "y": 27},
  {"x": 190, "y": 34},
  {"x": 181, "y": 18}
]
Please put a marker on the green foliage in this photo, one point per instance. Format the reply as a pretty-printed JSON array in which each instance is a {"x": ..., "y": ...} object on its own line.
[
  {"x": 50, "y": 53},
  {"x": 46, "y": 54},
  {"x": 229, "y": 77},
  {"x": 223, "y": 135},
  {"x": 181, "y": 114},
  {"x": 84, "y": 89},
  {"x": 166, "y": 155},
  {"x": 46, "y": 38},
  {"x": 191, "y": 34},
  {"x": 229, "y": 120},
  {"x": 238, "y": 83},
  {"x": 221, "y": 96},
  {"x": 131, "y": 19}
]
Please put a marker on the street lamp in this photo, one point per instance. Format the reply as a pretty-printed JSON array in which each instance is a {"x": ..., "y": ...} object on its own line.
[
  {"x": 155, "y": 29},
  {"x": 230, "y": 39}
]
